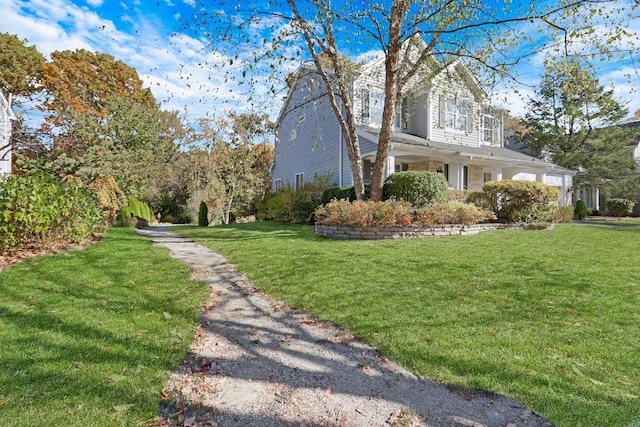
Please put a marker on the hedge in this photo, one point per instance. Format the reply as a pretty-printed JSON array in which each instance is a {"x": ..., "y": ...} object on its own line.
[{"x": 40, "y": 210}]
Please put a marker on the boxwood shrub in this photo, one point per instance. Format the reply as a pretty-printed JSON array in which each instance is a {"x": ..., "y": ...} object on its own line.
[{"x": 420, "y": 188}]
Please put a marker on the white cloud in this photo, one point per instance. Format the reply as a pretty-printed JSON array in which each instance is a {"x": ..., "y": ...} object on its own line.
[
  {"x": 191, "y": 3},
  {"x": 181, "y": 71},
  {"x": 95, "y": 3}
]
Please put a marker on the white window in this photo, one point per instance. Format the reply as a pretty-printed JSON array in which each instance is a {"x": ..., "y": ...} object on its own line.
[
  {"x": 299, "y": 181},
  {"x": 455, "y": 113},
  {"x": 278, "y": 184},
  {"x": 372, "y": 106},
  {"x": 293, "y": 135},
  {"x": 488, "y": 129},
  {"x": 302, "y": 118}
]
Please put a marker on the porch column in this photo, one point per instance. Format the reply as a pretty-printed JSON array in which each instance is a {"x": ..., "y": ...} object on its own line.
[{"x": 390, "y": 166}]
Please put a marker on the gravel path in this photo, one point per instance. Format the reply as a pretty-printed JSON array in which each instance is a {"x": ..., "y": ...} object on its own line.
[{"x": 257, "y": 362}]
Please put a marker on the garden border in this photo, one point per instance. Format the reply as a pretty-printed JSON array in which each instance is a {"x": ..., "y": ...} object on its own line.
[{"x": 381, "y": 232}]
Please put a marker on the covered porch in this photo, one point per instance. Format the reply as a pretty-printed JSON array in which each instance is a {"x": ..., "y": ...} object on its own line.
[{"x": 468, "y": 167}]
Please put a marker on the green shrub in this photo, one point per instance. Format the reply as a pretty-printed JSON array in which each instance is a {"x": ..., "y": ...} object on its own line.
[
  {"x": 362, "y": 213},
  {"x": 39, "y": 210},
  {"x": 518, "y": 201},
  {"x": 288, "y": 205},
  {"x": 346, "y": 193},
  {"x": 580, "y": 210},
  {"x": 479, "y": 198},
  {"x": 453, "y": 212},
  {"x": 203, "y": 214},
  {"x": 620, "y": 207},
  {"x": 135, "y": 209},
  {"x": 420, "y": 188}
]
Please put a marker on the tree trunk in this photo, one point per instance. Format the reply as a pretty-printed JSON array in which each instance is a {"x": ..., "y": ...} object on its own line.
[{"x": 391, "y": 90}]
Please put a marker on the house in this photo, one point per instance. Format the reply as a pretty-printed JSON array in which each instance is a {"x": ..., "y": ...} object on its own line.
[
  {"x": 443, "y": 125},
  {"x": 6, "y": 116}
]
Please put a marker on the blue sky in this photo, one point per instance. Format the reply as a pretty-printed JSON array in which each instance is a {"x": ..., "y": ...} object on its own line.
[{"x": 151, "y": 37}]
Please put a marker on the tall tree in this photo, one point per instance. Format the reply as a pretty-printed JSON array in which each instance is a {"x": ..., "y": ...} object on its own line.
[
  {"x": 131, "y": 142},
  {"x": 82, "y": 82},
  {"x": 20, "y": 66},
  {"x": 476, "y": 30},
  {"x": 575, "y": 122},
  {"x": 227, "y": 167}
]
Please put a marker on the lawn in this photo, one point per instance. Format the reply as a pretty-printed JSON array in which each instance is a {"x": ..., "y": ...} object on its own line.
[
  {"x": 89, "y": 337},
  {"x": 547, "y": 317},
  {"x": 613, "y": 221}
]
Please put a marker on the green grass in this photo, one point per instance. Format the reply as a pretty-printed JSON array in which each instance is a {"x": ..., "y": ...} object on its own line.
[
  {"x": 550, "y": 318},
  {"x": 89, "y": 337},
  {"x": 610, "y": 221}
]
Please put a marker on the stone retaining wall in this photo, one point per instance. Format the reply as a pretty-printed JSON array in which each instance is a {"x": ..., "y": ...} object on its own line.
[{"x": 347, "y": 232}]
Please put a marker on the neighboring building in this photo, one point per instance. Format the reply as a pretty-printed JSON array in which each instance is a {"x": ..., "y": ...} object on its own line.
[
  {"x": 443, "y": 125},
  {"x": 6, "y": 116},
  {"x": 592, "y": 197}
]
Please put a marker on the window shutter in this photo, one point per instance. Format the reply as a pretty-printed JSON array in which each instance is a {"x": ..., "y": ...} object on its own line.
[{"x": 442, "y": 112}]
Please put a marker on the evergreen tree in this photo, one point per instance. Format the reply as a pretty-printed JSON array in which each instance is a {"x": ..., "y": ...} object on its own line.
[{"x": 574, "y": 122}]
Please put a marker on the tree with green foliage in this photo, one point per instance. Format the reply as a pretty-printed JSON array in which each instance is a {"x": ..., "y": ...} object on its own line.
[
  {"x": 493, "y": 35},
  {"x": 226, "y": 167},
  {"x": 20, "y": 66},
  {"x": 82, "y": 83},
  {"x": 133, "y": 143},
  {"x": 574, "y": 122}
]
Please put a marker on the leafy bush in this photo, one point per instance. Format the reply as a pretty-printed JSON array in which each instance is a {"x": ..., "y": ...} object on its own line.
[
  {"x": 203, "y": 214},
  {"x": 288, "y": 205},
  {"x": 109, "y": 193},
  {"x": 39, "y": 210},
  {"x": 393, "y": 212},
  {"x": 453, "y": 212},
  {"x": 518, "y": 201},
  {"x": 365, "y": 213},
  {"x": 620, "y": 207},
  {"x": 461, "y": 196},
  {"x": 420, "y": 188},
  {"x": 580, "y": 210},
  {"x": 133, "y": 211},
  {"x": 346, "y": 193},
  {"x": 563, "y": 214}
]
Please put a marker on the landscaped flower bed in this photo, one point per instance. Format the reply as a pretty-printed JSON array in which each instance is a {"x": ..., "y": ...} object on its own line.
[
  {"x": 379, "y": 232},
  {"x": 391, "y": 219}
]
